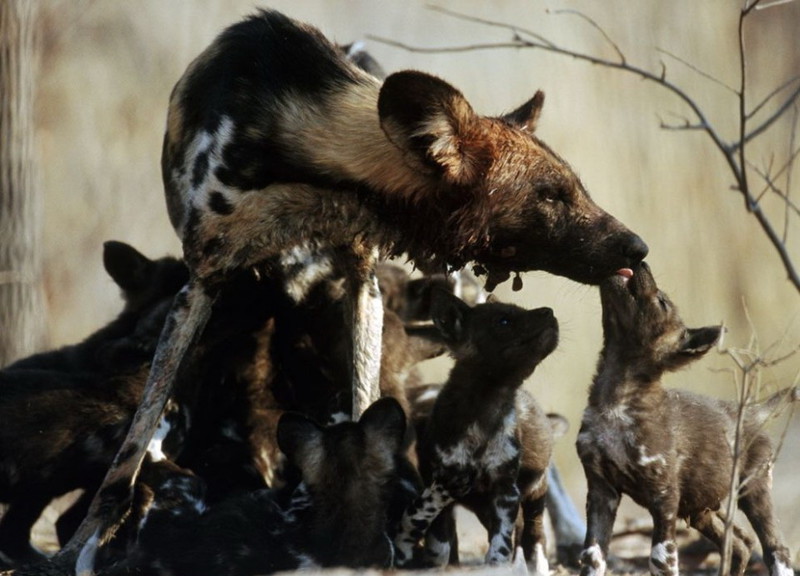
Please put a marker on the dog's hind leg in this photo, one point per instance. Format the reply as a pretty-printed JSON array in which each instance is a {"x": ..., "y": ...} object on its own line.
[
  {"x": 756, "y": 503},
  {"x": 189, "y": 313},
  {"x": 711, "y": 525}
]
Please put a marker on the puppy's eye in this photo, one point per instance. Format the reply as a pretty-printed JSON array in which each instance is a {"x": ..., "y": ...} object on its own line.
[{"x": 504, "y": 321}]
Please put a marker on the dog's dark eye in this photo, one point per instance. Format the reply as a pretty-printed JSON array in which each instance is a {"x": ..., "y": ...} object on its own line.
[
  {"x": 504, "y": 321},
  {"x": 550, "y": 194}
]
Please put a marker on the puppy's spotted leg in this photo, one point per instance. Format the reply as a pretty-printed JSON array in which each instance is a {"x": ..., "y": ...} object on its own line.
[
  {"x": 417, "y": 519},
  {"x": 505, "y": 507}
]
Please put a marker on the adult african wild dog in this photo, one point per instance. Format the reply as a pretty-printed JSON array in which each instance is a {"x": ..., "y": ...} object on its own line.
[
  {"x": 470, "y": 451},
  {"x": 274, "y": 140},
  {"x": 668, "y": 449}
]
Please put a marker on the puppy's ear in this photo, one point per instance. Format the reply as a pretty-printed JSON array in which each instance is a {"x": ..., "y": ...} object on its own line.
[
  {"x": 698, "y": 341},
  {"x": 128, "y": 267},
  {"x": 526, "y": 117},
  {"x": 433, "y": 123},
  {"x": 559, "y": 425},
  {"x": 385, "y": 421},
  {"x": 300, "y": 439},
  {"x": 449, "y": 314}
]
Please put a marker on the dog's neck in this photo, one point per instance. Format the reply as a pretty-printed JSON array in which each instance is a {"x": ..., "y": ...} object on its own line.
[{"x": 619, "y": 380}]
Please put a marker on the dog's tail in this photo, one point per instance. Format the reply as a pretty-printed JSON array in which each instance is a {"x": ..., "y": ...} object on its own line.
[{"x": 774, "y": 405}]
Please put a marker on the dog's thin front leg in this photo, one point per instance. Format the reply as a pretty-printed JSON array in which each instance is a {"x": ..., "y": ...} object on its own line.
[
  {"x": 417, "y": 519},
  {"x": 505, "y": 506},
  {"x": 664, "y": 551},
  {"x": 602, "y": 502},
  {"x": 367, "y": 328},
  {"x": 187, "y": 317}
]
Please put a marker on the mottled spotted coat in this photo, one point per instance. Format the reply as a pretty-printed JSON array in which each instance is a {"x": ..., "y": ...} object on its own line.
[
  {"x": 336, "y": 516},
  {"x": 470, "y": 450},
  {"x": 669, "y": 450}
]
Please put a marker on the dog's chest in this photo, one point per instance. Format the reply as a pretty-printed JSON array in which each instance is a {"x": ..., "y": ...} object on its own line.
[
  {"x": 613, "y": 439},
  {"x": 486, "y": 456}
]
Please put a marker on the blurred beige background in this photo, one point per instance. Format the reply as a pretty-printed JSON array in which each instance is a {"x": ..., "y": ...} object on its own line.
[{"x": 108, "y": 67}]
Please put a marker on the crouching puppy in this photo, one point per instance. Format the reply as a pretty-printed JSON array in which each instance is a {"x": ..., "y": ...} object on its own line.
[
  {"x": 336, "y": 516},
  {"x": 470, "y": 451},
  {"x": 669, "y": 450}
]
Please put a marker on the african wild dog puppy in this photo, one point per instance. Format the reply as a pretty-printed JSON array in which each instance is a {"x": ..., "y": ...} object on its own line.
[
  {"x": 669, "y": 450},
  {"x": 64, "y": 412},
  {"x": 336, "y": 516},
  {"x": 147, "y": 288},
  {"x": 300, "y": 146},
  {"x": 535, "y": 447},
  {"x": 470, "y": 451}
]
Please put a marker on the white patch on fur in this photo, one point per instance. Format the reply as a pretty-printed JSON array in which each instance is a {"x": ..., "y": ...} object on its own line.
[
  {"x": 780, "y": 569},
  {"x": 519, "y": 567},
  {"x": 660, "y": 554},
  {"x": 541, "y": 566},
  {"x": 156, "y": 445},
  {"x": 84, "y": 566},
  {"x": 429, "y": 395},
  {"x": 304, "y": 267},
  {"x": 592, "y": 561},
  {"x": 338, "y": 418},
  {"x": 645, "y": 460},
  {"x": 305, "y": 562},
  {"x": 437, "y": 551},
  {"x": 497, "y": 450},
  {"x": 203, "y": 143}
]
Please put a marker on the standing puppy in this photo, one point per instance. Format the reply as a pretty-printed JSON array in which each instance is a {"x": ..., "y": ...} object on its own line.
[
  {"x": 669, "y": 450},
  {"x": 470, "y": 450},
  {"x": 275, "y": 140}
]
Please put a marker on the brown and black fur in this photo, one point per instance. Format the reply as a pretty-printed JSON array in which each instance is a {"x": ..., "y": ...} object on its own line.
[
  {"x": 274, "y": 140},
  {"x": 336, "y": 516},
  {"x": 470, "y": 450},
  {"x": 669, "y": 450},
  {"x": 65, "y": 412}
]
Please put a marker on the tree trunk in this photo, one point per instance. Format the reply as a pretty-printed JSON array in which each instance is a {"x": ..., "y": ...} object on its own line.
[{"x": 21, "y": 293}]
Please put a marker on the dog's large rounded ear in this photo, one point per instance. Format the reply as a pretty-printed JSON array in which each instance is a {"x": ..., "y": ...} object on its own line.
[
  {"x": 431, "y": 121},
  {"x": 526, "y": 117},
  {"x": 698, "y": 341},
  {"x": 386, "y": 421},
  {"x": 449, "y": 314},
  {"x": 299, "y": 438},
  {"x": 128, "y": 267}
]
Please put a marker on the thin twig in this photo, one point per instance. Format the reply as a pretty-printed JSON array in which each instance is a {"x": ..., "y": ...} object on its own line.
[
  {"x": 597, "y": 27},
  {"x": 697, "y": 70},
  {"x": 771, "y": 95}
]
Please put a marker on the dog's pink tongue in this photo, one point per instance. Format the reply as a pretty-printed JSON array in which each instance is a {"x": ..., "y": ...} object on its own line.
[{"x": 625, "y": 273}]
